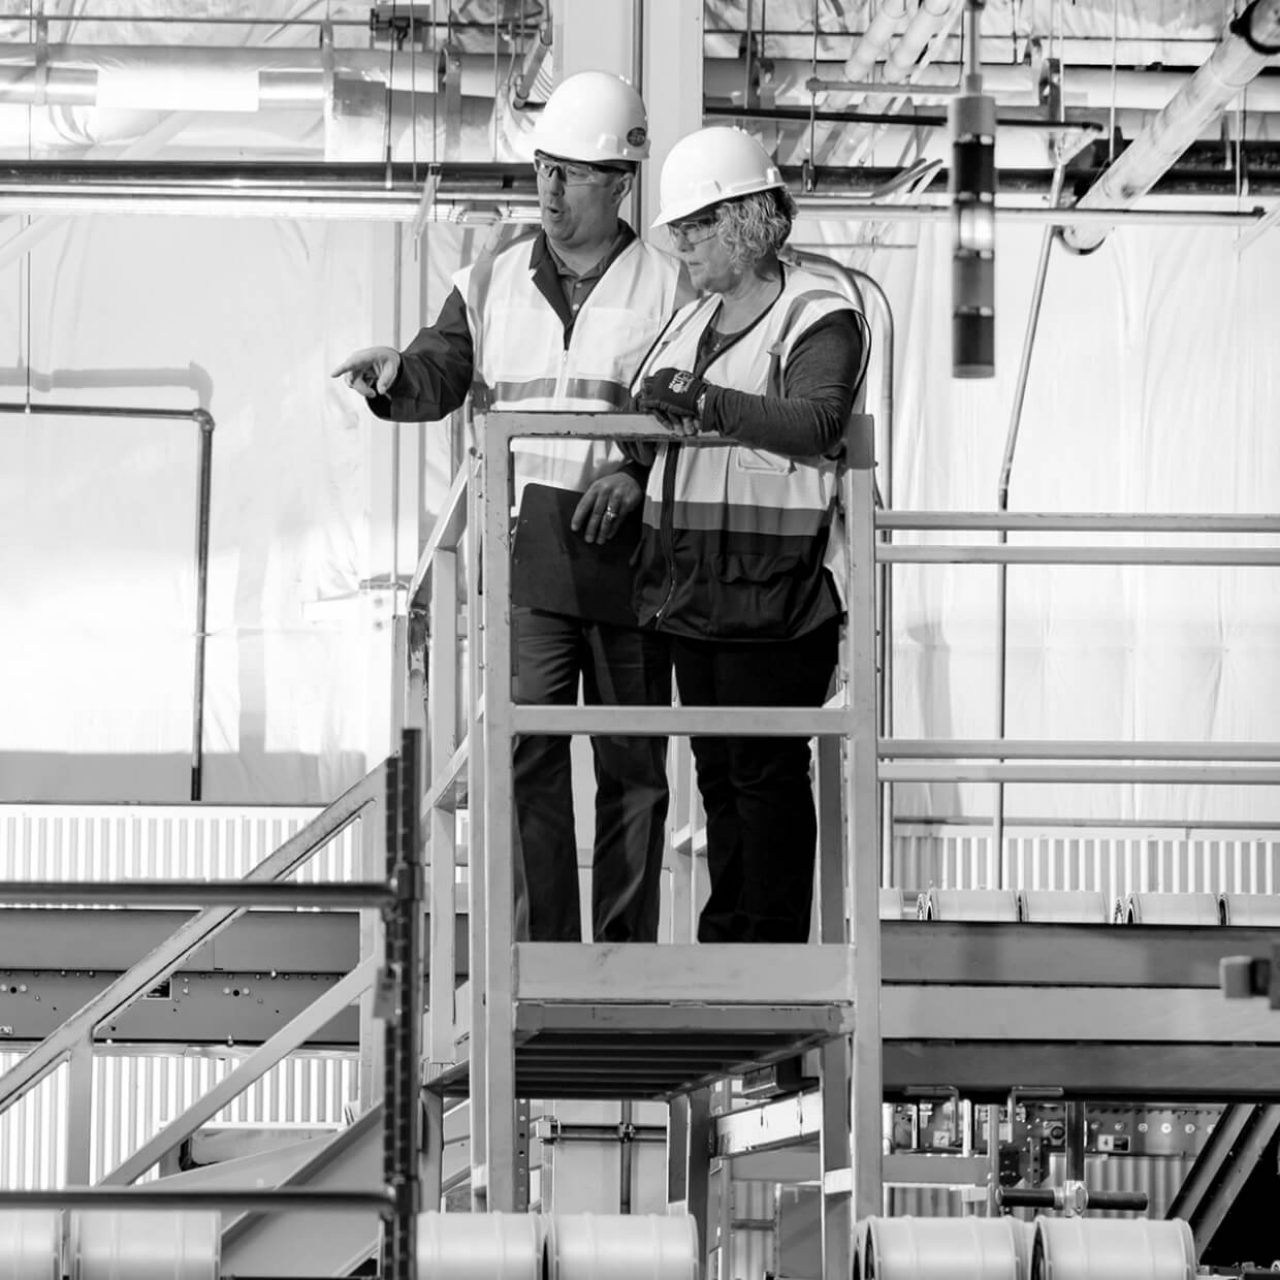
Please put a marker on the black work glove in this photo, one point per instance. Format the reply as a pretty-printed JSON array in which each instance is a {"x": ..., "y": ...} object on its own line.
[{"x": 671, "y": 391}]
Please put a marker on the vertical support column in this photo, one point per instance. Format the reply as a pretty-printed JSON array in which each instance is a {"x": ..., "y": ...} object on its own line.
[
  {"x": 432, "y": 1151},
  {"x": 671, "y": 83},
  {"x": 589, "y": 36},
  {"x": 1076, "y": 1142},
  {"x": 79, "y": 1112},
  {"x": 442, "y": 670},
  {"x": 401, "y": 994},
  {"x": 477, "y": 935},
  {"x": 496, "y": 853},
  {"x": 867, "y": 1093},
  {"x": 835, "y": 1057},
  {"x": 689, "y": 1160},
  {"x": 377, "y": 605},
  {"x": 372, "y": 1065}
]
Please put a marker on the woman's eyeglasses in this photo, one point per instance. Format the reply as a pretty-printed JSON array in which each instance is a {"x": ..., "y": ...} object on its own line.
[
  {"x": 684, "y": 235},
  {"x": 570, "y": 172}
]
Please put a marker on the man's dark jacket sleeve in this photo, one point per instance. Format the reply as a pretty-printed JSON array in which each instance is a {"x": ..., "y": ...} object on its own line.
[{"x": 436, "y": 369}]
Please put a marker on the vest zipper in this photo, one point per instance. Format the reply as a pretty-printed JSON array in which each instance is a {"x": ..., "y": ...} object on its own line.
[{"x": 666, "y": 525}]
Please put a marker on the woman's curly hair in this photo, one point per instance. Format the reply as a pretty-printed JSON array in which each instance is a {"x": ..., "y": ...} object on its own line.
[{"x": 752, "y": 227}]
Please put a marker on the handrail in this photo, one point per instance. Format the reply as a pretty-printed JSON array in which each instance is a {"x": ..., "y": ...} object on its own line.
[
  {"x": 493, "y": 988},
  {"x": 1128, "y": 762},
  {"x": 1064, "y": 521},
  {"x": 400, "y": 990},
  {"x": 266, "y": 1056},
  {"x": 170, "y": 954},
  {"x": 445, "y": 533}
]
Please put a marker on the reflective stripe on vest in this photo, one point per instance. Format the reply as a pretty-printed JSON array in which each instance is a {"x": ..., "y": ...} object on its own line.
[{"x": 522, "y": 361}]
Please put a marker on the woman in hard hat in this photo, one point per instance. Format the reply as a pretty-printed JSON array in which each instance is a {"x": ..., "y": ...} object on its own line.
[{"x": 735, "y": 542}]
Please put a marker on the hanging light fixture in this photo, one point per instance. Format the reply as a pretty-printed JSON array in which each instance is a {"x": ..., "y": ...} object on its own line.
[{"x": 972, "y": 118}]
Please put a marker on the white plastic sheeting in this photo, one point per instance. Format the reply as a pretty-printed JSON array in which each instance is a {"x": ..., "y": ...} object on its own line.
[
  {"x": 97, "y": 515},
  {"x": 1153, "y": 389}
]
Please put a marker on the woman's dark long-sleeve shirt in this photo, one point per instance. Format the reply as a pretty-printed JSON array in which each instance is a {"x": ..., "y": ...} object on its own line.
[{"x": 822, "y": 375}]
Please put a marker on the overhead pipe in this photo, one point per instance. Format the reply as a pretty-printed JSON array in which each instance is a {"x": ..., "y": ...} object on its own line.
[
  {"x": 1252, "y": 43},
  {"x": 907, "y": 59},
  {"x": 522, "y": 89},
  {"x": 871, "y": 48},
  {"x": 210, "y": 77},
  {"x": 485, "y": 192},
  {"x": 792, "y": 80}
]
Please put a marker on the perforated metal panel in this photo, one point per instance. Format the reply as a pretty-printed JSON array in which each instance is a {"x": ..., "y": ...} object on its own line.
[
  {"x": 1114, "y": 860},
  {"x": 101, "y": 842},
  {"x": 135, "y": 1095}
]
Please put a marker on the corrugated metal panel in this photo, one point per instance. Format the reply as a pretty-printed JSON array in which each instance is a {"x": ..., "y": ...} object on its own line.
[
  {"x": 1113, "y": 860},
  {"x": 106, "y": 842},
  {"x": 134, "y": 1095},
  {"x": 752, "y": 1246},
  {"x": 33, "y": 1134}
]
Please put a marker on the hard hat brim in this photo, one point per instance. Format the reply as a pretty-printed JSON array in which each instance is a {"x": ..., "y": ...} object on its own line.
[{"x": 687, "y": 208}]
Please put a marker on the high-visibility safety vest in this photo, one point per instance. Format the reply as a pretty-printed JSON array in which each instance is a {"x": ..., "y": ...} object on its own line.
[
  {"x": 523, "y": 362},
  {"x": 735, "y": 540}
]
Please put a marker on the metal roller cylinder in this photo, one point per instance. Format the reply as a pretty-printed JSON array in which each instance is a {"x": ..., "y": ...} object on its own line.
[
  {"x": 1024, "y": 1240},
  {"x": 480, "y": 1246},
  {"x": 601, "y": 1246},
  {"x": 969, "y": 904},
  {"x": 1058, "y": 906},
  {"x": 1112, "y": 1249},
  {"x": 30, "y": 1244},
  {"x": 942, "y": 1249},
  {"x": 145, "y": 1244},
  {"x": 1260, "y": 910},
  {"x": 1168, "y": 908}
]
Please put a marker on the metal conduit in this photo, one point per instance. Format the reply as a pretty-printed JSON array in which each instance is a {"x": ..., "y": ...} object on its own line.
[
  {"x": 1002, "y": 505},
  {"x": 376, "y": 192},
  {"x": 212, "y": 77},
  {"x": 881, "y": 301},
  {"x": 204, "y": 420}
]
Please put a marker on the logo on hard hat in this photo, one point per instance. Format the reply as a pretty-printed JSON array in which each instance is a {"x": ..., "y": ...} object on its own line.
[{"x": 636, "y": 136}]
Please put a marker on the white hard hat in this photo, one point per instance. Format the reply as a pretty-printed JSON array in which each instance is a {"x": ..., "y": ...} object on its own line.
[
  {"x": 595, "y": 117},
  {"x": 712, "y": 165}
]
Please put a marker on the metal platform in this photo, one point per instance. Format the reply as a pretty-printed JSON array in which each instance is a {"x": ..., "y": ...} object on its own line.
[
  {"x": 1102, "y": 1011},
  {"x": 653, "y": 1022}
]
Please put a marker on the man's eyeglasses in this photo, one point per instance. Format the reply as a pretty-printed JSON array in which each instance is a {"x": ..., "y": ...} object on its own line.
[
  {"x": 684, "y": 235},
  {"x": 571, "y": 172}
]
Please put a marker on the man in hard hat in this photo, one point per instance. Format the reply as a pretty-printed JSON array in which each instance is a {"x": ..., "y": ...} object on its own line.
[{"x": 561, "y": 319}]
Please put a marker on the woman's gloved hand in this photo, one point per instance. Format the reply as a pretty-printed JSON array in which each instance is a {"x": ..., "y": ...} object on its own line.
[{"x": 671, "y": 391}]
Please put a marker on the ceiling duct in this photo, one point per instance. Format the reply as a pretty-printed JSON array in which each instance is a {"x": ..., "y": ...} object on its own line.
[{"x": 1251, "y": 43}]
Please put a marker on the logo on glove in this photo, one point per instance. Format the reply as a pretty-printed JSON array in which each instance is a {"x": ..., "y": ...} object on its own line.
[{"x": 681, "y": 381}]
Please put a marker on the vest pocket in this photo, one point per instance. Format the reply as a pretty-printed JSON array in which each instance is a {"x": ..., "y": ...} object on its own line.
[
  {"x": 756, "y": 595},
  {"x": 761, "y": 462}
]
